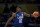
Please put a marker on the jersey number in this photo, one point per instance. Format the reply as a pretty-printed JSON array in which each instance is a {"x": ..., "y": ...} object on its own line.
[{"x": 20, "y": 20}]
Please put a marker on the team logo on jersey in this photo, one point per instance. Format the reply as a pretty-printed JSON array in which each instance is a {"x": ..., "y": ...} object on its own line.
[{"x": 22, "y": 14}]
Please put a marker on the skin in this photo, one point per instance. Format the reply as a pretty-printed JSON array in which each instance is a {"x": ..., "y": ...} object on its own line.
[
  {"x": 14, "y": 15},
  {"x": 37, "y": 14},
  {"x": 36, "y": 17}
]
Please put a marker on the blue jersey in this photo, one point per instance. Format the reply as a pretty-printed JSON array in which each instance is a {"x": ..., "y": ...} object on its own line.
[{"x": 19, "y": 18}]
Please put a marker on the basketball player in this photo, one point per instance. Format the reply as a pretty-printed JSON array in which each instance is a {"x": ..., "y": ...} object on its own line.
[{"x": 18, "y": 18}]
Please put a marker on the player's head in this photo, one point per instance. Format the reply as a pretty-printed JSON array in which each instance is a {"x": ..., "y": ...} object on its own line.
[{"x": 18, "y": 9}]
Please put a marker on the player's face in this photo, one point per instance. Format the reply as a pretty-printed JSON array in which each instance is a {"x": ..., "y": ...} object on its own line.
[{"x": 18, "y": 10}]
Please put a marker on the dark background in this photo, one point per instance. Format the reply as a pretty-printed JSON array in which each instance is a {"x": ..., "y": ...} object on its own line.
[{"x": 7, "y": 7}]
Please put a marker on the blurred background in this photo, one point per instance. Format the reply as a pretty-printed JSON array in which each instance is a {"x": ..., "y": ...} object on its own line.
[{"x": 7, "y": 7}]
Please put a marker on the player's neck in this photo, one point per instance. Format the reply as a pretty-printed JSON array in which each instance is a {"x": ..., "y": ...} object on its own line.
[{"x": 19, "y": 12}]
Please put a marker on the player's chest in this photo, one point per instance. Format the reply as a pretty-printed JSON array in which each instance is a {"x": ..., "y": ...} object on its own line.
[{"x": 19, "y": 16}]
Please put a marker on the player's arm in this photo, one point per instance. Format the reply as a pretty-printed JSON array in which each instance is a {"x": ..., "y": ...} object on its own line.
[
  {"x": 14, "y": 15},
  {"x": 27, "y": 15}
]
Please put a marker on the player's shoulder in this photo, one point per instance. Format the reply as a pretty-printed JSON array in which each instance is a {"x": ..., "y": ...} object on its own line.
[{"x": 13, "y": 13}]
